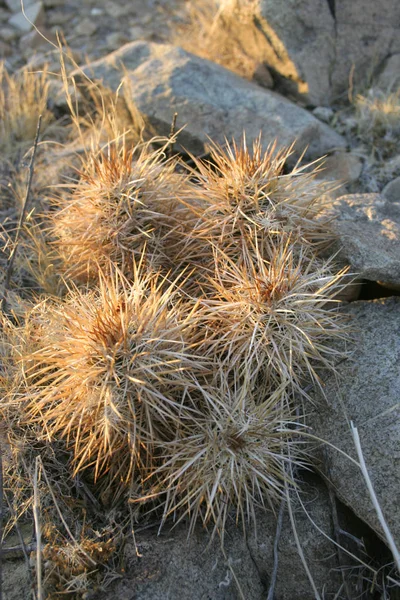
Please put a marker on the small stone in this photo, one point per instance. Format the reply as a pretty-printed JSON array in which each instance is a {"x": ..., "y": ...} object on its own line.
[
  {"x": 116, "y": 40},
  {"x": 392, "y": 190},
  {"x": 58, "y": 18},
  {"x": 86, "y": 27},
  {"x": 136, "y": 32},
  {"x": 8, "y": 34},
  {"x": 262, "y": 76},
  {"x": 96, "y": 12},
  {"x": 323, "y": 113},
  {"x": 342, "y": 167},
  {"x": 34, "y": 15},
  {"x": 115, "y": 10}
]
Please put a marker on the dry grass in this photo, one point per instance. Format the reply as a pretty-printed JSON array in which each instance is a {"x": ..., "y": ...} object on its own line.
[
  {"x": 225, "y": 33},
  {"x": 378, "y": 118},
  {"x": 23, "y": 97}
]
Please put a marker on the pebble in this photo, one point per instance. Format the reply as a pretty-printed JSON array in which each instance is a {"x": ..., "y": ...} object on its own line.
[
  {"x": 86, "y": 27},
  {"x": 116, "y": 40},
  {"x": 392, "y": 190},
  {"x": 8, "y": 34},
  {"x": 323, "y": 113}
]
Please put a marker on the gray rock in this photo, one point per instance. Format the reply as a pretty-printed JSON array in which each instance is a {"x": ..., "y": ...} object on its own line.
[
  {"x": 367, "y": 393},
  {"x": 368, "y": 228},
  {"x": 86, "y": 27},
  {"x": 389, "y": 79},
  {"x": 34, "y": 15},
  {"x": 315, "y": 43},
  {"x": 211, "y": 101},
  {"x": 8, "y": 34},
  {"x": 15, "y": 5},
  {"x": 392, "y": 190},
  {"x": 342, "y": 167},
  {"x": 170, "y": 566},
  {"x": 300, "y": 45},
  {"x": 323, "y": 113}
]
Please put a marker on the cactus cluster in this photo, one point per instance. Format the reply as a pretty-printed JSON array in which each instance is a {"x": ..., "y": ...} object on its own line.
[{"x": 195, "y": 309}]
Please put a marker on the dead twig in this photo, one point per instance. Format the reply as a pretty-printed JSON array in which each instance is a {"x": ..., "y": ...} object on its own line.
[
  {"x": 374, "y": 499},
  {"x": 36, "y": 518},
  {"x": 11, "y": 259},
  {"x": 1, "y": 522},
  {"x": 172, "y": 135}
]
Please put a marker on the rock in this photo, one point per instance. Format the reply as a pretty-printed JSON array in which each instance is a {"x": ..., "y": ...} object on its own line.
[
  {"x": 367, "y": 392},
  {"x": 169, "y": 566},
  {"x": 115, "y": 10},
  {"x": 292, "y": 582},
  {"x": 17, "y": 582},
  {"x": 392, "y": 191},
  {"x": 342, "y": 167},
  {"x": 368, "y": 229},
  {"x": 15, "y": 5},
  {"x": 300, "y": 44},
  {"x": 366, "y": 33},
  {"x": 85, "y": 27},
  {"x": 136, "y": 32},
  {"x": 389, "y": 79},
  {"x": 323, "y": 113},
  {"x": 33, "y": 14},
  {"x": 34, "y": 40},
  {"x": 8, "y": 34},
  {"x": 116, "y": 39},
  {"x": 263, "y": 77},
  {"x": 210, "y": 100},
  {"x": 316, "y": 44}
]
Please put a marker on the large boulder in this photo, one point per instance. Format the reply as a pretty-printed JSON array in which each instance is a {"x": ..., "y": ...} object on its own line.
[
  {"x": 320, "y": 44},
  {"x": 171, "y": 566},
  {"x": 367, "y": 392},
  {"x": 211, "y": 101},
  {"x": 368, "y": 230}
]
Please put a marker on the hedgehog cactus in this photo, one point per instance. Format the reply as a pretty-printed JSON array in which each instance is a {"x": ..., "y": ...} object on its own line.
[{"x": 210, "y": 309}]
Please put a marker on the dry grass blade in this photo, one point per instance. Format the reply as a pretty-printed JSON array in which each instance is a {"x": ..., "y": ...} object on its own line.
[
  {"x": 36, "y": 516},
  {"x": 11, "y": 260},
  {"x": 374, "y": 499},
  {"x": 378, "y": 116},
  {"x": 23, "y": 98}
]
